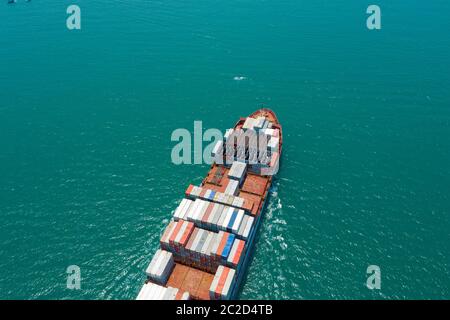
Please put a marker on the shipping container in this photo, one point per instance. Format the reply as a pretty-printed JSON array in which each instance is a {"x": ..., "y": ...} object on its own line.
[
  {"x": 232, "y": 188},
  {"x": 160, "y": 267},
  {"x": 222, "y": 284}
]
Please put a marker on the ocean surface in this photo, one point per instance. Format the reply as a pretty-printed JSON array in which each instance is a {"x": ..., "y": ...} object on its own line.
[{"x": 86, "y": 117}]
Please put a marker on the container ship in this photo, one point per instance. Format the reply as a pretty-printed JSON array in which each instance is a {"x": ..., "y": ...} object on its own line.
[{"x": 207, "y": 245}]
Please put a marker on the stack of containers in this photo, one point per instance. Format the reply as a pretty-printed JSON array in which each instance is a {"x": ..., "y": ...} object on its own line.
[
  {"x": 222, "y": 246},
  {"x": 236, "y": 254},
  {"x": 181, "y": 235},
  {"x": 246, "y": 227},
  {"x": 198, "y": 250},
  {"x": 238, "y": 202},
  {"x": 222, "y": 284},
  {"x": 164, "y": 241},
  {"x": 231, "y": 220},
  {"x": 213, "y": 218},
  {"x": 207, "y": 215},
  {"x": 151, "y": 291},
  {"x": 160, "y": 267},
  {"x": 196, "y": 193},
  {"x": 193, "y": 209},
  {"x": 203, "y": 222},
  {"x": 182, "y": 209},
  {"x": 202, "y": 210},
  {"x": 176, "y": 235},
  {"x": 232, "y": 187},
  {"x": 238, "y": 171}
]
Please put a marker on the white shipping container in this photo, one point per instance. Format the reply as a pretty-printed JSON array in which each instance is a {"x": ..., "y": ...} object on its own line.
[
  {"x": 159, "y": 269},
  {"x": 238, "y": 202},
  {"x": 212, "y": 243},
  {"x": 243, "y": 224},
  {"x": 228, "y": 214},
  {"x": 185, "y": 209},
  {"x": 228, "y": 283},
  {"x": 217, "y": 215},
  {"x": 142, "y": 292},
  {"x": 156, "y": 292},
  {"x": 237, "y": 221},
  {"x": 152, "y": 262},
  {"x": 201, "y": 242},
  {"x": 160, "y": 265},
  {"x": 207, "y": 194},
  {"x": 197, "y": 239},
  {"x": 248, "y": 227},
  {"x": 197, "y": 205},
  {"x": 232, "y": 187},
  {"x": 150, "y": 292},
  {"x": 204, "y": 251},
  {"x": 202, "y": 212},
  {"x": 170, "y": 293},
  {"x": 211, "y": 215},
  {"x": 222, "y": 217},
  {"x": 228, "y": 286},
  {"x": 178, "y": 209},
  {"x": 237, "y": 170},
  {"x": 193, "y": 209},
  {"x": 158, "y": 258}
]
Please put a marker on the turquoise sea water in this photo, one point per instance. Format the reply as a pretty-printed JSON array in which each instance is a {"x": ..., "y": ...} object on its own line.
[{"x": 86, "y": 116}]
